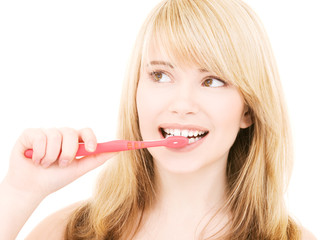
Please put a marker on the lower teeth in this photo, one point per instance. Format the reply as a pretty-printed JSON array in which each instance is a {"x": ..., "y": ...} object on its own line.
[{"x": 191, "y": 140}]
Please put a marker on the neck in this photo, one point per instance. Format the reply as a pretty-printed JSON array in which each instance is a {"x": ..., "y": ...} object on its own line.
[
  {"x": 199, "y": 191},
  {"x": 186, "y": 204}
]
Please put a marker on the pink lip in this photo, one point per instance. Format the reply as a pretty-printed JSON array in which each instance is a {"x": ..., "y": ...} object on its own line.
[{"x": 180, "y": 126}]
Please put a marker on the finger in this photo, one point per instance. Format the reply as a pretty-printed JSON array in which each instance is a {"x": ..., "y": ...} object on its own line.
[
  {"x": 39, "y": 146},
  {"x": 54, "y": 142},
  {"x": 69, "y": 146},
  {"x": 89, "y": 138},
  {"x": 33, "y": 138}
]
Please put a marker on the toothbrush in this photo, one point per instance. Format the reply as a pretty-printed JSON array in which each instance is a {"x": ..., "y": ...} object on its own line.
[{"x": 124, "y": 145}]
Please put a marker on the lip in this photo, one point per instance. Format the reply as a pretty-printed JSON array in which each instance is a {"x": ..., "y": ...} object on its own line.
[
  {"x": 190, "y": 146},
  {"x": 180, "y": 126}
]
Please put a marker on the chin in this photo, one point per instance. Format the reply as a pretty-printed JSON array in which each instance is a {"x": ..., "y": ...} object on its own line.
[{"x": 180, "y": 163}]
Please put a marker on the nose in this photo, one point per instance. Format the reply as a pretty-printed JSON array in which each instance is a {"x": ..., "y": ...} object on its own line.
[{"x": 184, "y": 101}]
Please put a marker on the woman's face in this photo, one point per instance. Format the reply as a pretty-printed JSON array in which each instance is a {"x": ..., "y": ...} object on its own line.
[{"x": 188, "y": 101}]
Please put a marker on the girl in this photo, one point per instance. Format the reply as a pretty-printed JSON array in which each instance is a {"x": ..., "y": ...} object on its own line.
[{"x": 202, "y": 69}]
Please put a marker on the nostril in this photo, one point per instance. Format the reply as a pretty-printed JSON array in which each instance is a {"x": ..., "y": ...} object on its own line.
[{"x": 183, "y": 107}]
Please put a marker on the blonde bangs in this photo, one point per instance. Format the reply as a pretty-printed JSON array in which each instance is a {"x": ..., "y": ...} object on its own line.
[{"x": 181, "y": 33}]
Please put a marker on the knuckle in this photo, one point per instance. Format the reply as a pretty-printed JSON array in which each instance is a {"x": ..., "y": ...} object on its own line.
[
  {"x": 39, "y": 136},
  {"x": 68, "y": 131},
  {"x": 88, "y": 134},
  {"x": 87, "y": 131},
  {"x": 54, "y": 135}
]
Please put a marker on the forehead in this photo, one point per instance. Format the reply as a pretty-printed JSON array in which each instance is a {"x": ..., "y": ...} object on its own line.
[{"x": 158, "y": 53}]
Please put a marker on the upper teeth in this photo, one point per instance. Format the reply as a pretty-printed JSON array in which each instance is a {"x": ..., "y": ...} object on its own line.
[{"x": 183, "y": 132}]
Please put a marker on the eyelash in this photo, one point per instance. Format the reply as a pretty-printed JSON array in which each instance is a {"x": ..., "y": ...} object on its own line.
[
  {"x": 152, "y": 75},
  {"x": 215, "y": 78}
]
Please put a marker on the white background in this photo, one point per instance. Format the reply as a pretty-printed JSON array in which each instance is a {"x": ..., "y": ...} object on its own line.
[{"x": 62, "y": 64}]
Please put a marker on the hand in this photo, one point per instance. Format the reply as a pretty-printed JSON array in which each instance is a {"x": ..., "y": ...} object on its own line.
[{"x": 53, "y": 164}]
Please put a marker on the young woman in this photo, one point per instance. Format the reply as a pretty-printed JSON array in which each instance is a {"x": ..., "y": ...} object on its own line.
[{"x": 202, "y": 69}]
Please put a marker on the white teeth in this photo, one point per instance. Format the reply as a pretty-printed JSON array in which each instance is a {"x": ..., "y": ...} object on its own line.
[
  {"x": 193, "y": 135},
  {"x": 185, "y": 133},
  {"x": 177, "y": 132},
  {"x": 192, "y": 140}
]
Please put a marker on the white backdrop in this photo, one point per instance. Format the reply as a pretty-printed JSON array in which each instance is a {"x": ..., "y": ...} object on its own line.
[{"x": 62, "y": 64}]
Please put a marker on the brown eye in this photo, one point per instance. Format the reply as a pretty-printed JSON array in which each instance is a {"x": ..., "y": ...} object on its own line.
[
  {"x": 157, "y": 76},
  {"x": 212, "y": 82},
  {"x": 160, "y": 77},
  {"x": 207, "y": 83}
]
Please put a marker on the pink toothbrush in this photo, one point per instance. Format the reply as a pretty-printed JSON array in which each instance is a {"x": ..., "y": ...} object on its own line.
[{"x": 124, "y": 145}]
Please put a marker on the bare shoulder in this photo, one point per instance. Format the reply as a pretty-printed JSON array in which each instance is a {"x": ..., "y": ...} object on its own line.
[
  {"x": 53, "y": 227},
  {"x": 307, "y": 235}
]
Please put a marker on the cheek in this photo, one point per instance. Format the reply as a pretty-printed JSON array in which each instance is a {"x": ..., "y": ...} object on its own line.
[
  {"x": 149, "y": 105},
  {"x": 226, "y": 112},
  {"x": 152, "y": 99},
  {"x": 231, "y": 114},
  {"x": 143, "y": 106}
]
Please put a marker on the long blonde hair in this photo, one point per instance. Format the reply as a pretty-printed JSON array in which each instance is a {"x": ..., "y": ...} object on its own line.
[{"x": 227, "y": 38}]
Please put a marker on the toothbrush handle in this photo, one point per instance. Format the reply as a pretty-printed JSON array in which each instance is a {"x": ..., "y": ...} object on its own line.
[{"x": 112, "y": 146}]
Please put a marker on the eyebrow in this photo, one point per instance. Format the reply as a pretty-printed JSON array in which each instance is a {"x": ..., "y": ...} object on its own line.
[
  {"x": 171, "y": 65},
  {"x": 203, "y": 70},
  {"x": 162, "y": 63}
]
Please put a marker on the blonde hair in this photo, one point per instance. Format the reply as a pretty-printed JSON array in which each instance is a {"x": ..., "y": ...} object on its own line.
[{"x": 227, "y": 38}]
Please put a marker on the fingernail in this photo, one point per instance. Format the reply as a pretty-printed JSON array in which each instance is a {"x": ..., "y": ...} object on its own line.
[
  {"x": 64, "y": 163},
  {"x": 36, "y": 162},
  {"x": 45, "y": 165},
  {"x": 91, "y": 146}
]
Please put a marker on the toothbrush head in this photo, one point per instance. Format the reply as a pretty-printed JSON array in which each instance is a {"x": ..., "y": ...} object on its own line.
[{"x": 176, "y": 142}]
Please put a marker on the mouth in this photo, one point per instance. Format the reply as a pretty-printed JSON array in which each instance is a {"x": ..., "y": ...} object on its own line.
[{"x": 193, "y": 135}]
